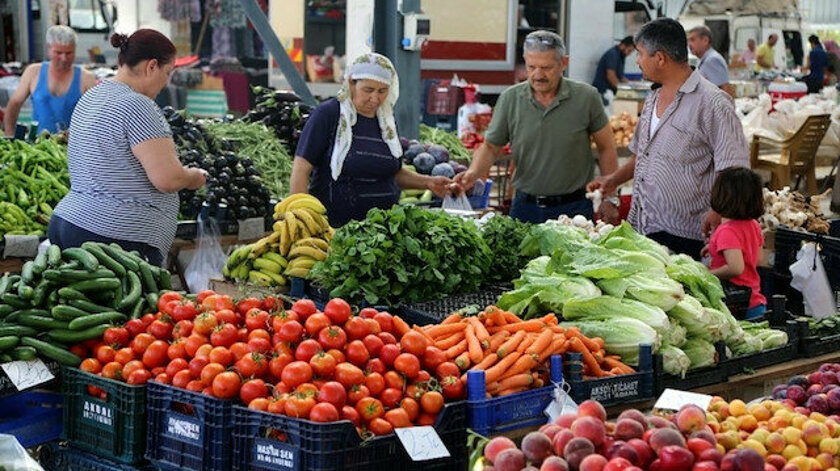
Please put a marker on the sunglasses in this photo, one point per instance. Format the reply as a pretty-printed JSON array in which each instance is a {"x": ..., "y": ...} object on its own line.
[{"x": 547, "y": 40}]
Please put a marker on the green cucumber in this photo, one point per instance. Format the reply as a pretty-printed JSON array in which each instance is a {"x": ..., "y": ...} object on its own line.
[
  {"x": 118, "y": 254},
  {"x": 152, "y": 299},
  {"x": 40, "y": 263},
  {"x": 137, "y": 310},
  {"x": 134, "y": 292},
  {"x": 33, "y": 312},
  {"x": 72, "y": 276},
  {"x": 40, "y": 292},
  {"x": 27, "y": 273},
  {"x": 69, "y": 293},
  {"x": 8, "y": 341},
  {"x": 88, "y": 261},
  {"x": 5, "y": 310},
  {"x": 91, "y": 320},
  {"x": 5, "y": 358},
  {"x": 75, "y": 336},
  {"x": 5, "y": 282},
  {"x": 51, "y": 351},
  {"x": 53, "y": 256},
  {"x": 25, "y": 291},
  {"x": 67, "y": 313},
  {"x": 104, "y": 259},
  {"x": 42, "y": 322},
  {"x": 23, "y": 353},
  {"x": 15, "y": 301},
  {"x": 164, "y": 279},
  {"x": 74, "y": 265},
  {"x": 16, "y": 330},
  {"x": 88, "y": 306},
  {"x": 149, "y": 284},
  {"x": 97, "y": 285}
]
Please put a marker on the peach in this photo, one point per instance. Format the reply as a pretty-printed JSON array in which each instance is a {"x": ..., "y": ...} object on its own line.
[
  {"x": 705, "y": 466},
  {"x": 634, "y": 414},
  {"x": 711, "y": 455},
  {"x": 644, "y": 452},
  {"x": 659, "y": 422},
  {"x": 792, "y": 435},
  {"x": 754, "y": 445},
  {"x": 623, "y": 450},
  {"x": 550, "y": 430},
  {"x": 729, "y": 440},
  {"x": 792, "y": 451},
  {"x": 554, "y": 463},
  {"x": 777, "y": 423},
  {"x": 775, "y": 443},
  {"x": 707, "y": 435},
  {"x": 591, "y": 428},
  {"x": 576, "y": 450},
  {"x": 593, "y": 463},
  {"x": 770, "y": 467},
  {"x": 664, "y": 437},
  {"x": 759, "y": 412},
  {"x": 812, "y": 434},
  {"x": 738, "y": 408},
  {"x": 790, "y": 467},
  {"x": 747, "y": 423},
  {"x": 760, "y": 435},
  {"x": 509, "y": 460},
  {"x": 560, "y": 440},
  {"x": 566, "y": 420},
  {"x": 618, "y": 464},
  {"x": 826, "y": 460},
  {"x": 698, "y": 445},
  {"x": 743, "y": 460},
  {"x": 496, "y": 446},
  {"x": 691, "y": 419},
  {"x": 830, "y": 446},
  {"x": 537, "y": 447},
  {"x": 627, "y": 429},
  {"x": 590, "y": 408},
  {"x": 777, "y": 461}
]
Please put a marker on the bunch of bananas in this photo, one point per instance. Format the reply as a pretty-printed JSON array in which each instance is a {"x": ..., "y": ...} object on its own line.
[{"x": 300, "y": 238}]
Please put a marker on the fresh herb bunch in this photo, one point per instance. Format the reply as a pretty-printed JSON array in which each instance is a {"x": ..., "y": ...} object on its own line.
[
  {"x": 503, "y": 236},
  {"x": 404, "y": 254}
]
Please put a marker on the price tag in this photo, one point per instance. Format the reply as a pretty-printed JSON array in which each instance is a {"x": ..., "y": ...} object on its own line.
[
  {"x": 24, "y": 246},
  {"x": 422, "y": 443},
  {"x": 25, "y": 374},
  {"x": 674, "y": 399},
  {"x": 251, "y": 228}
]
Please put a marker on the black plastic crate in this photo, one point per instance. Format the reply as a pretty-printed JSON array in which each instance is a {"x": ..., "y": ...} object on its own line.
[
  {"x": 54, "y": 457},
  {"x": 113, "y": 427},
  {"x": 316, "y": 446},
  {"x": 737, "y": 299},
  {"x": 695, "y": 378},
  {"x": 187, "y": 230},
  {"x": 612, "y": 390},
  {"x": 811, "y": 345},
  {"x": 188, "y": 430},
  {"x": 741, "y": 364},
  {"x": 432, "y": 312},
  {"x": 788, "y": 243}
]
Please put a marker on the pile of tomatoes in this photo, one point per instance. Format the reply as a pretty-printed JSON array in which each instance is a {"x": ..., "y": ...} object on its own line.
[{"x": 371, "y": 368}]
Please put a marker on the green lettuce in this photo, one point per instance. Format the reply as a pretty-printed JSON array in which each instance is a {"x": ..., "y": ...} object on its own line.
[
  {"x": 622, "y": 336},
  {"x": 698, "y": 281},
  {"x": 593, "y": 261},
  {"x": 674, "y": 361},
  {"x": 537, "y": 294},
  {"x": 690, "y": 314},
  {"x": 625, "y": 237},
  {"x": 608, "y": 308},
  {"x": 701, "y": 352},
  {"x": 650, "y": 288},
  {"x": 676, "y": 334},
  {"x": 546, "y": 238}
]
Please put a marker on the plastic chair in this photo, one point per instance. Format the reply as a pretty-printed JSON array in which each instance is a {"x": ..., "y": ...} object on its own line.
[{"x": 792, "y": 156}]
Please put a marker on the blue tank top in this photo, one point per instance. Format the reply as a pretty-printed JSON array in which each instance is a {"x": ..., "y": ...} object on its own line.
[{"x": 53, "y": 112}]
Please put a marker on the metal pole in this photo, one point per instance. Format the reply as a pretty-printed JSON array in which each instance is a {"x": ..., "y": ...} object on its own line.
[{"x": 263, "y": 28}]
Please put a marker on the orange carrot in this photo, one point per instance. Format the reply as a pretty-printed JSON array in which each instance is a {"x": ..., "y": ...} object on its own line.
[
  {"x": 587, "y": 342},
  {"x": 480, "y": 331},
  {"x": 524, "y": 364},
  {"x": 400, "y": 326},
  {"x": 473, "y": 345},
  {"x": 576, "y": 345},
  {"x": 515, "y": 381},
  {"x": 444, "y": 343},
  {"x": 599, "y": 356},
  {"x": 496, "y": 316},
  {"x": 511, "y": 344},
  {"x": 533, "y": 325},
  {"x": 495, "y": 372},
  {"x": 511, "y": 318},
  {"x": 556, "y": 347},
  {"x": 599, "y": 341},
  {"x": 457, "y": 349},
  {"x": 549, "y": 319},
  {"x": 452, "y": 318},
  {"x": 443, "y": 330},
  {"x": 422, "y": 332},
  {"x": 542, "y": 341},
  {"x": 463, "y": 361},
  {"x": 526, "y": 343},
  {"x": 487, "y": 362},
  {"x": 612, "y": 363},
  {"x": 558, "y": 330},
  {"x": 507, "y": 392},
  {"x": 497, "y": 339}
]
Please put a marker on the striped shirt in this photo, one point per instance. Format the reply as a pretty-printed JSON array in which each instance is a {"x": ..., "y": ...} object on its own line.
[
  {"x": 699, "y": 135},
  {"x": 110, "y": 193}
]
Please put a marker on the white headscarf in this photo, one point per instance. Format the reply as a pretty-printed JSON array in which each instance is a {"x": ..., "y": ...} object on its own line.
[{"x": 366, "y": 67}]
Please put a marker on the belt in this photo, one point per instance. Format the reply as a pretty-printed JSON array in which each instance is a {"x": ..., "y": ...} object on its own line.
[{"x": 555, "y": 200}]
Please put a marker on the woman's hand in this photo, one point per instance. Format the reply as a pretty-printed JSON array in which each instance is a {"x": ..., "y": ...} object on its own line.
[{"x": 440, "y": 185}]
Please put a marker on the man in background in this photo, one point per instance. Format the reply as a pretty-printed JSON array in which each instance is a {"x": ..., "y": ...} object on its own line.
[
  {"x": 610, "y": 71},
  {"x": 712, "y": 65},
  {"x": 765, "y": 55}
]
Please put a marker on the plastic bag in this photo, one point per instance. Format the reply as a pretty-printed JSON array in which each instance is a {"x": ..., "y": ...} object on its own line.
[
  {"x": 13, "y": 456},
  {"x": 809, "y": 278},
  {"x": 457, "y": 203},
  {"x": 208, "y": 260}
]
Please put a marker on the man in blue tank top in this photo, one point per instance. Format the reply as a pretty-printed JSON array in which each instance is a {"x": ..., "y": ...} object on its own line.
[{"x": 55, "y": 86}]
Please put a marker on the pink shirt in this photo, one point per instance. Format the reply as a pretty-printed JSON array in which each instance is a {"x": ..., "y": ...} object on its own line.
[
  {"x": 748, "y": 56},
  {"x": 746, "y": 237}
]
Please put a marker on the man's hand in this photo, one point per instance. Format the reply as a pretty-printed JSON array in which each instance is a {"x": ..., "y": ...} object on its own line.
[
  {"x": 710, "y": 222},
  {"x": 439, "y": 185},
  {"x": 465, "y": 180},
  {"x": 704, "y": 252},
  {"x": 609, "y": 213},
  {"x": 605, "y": 184}
]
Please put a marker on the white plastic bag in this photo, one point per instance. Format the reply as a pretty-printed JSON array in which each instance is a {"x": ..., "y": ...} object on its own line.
[
  {"x": 809, "y": 278},
  {"x": 457, "y": 203},
  {"x": 208, "y": 260},
  {"x": 13, "y": 456}
]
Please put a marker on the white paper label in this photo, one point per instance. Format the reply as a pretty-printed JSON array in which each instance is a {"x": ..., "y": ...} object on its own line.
[
  {"x": 422, "y": 443},
  {"x": 674, "y": 399},
  {"x": 25, "y": 246},
  {"x": 25, "y": 374},
  {"x": 251, "y": 228}
]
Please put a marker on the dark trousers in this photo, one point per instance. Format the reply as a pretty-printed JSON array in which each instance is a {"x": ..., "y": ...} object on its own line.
[
  {"x": 66, "y": 235},
  {"x": 678, "y": 244},
  {"x": 527, "y": 211}
]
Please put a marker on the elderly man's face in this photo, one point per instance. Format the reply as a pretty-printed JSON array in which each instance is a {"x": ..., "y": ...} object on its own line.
[
  {"x": 62, "y": 55},
  {"x": 698, "y": 44},
  {"x": 544, "y": 70},
  {"x": 773, "y": 40}
]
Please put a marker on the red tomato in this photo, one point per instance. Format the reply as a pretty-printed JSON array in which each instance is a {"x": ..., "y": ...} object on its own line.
[
  {"x": 105, "y": 354},
  {"x": 252, "y": 365},
  {"x": 183, "y": 329},
  {"x": 278, "y": 362},
  {"x": 337, "y": 354},
  {"x": 307, "y": 349},
  {"x": 357, "y": 353},
  {"x": 422, "y": 376},
  {"x": 202, "y": 295},
  {"x": 290, "y": 331},
  {"x": 140, "y": 376},
  {"x": 205, "y": 323},
  {"x": 195, "y": 386},
  {"x": 385, "y": 320},
  {"x": 426, "y": 419},
  {"x": 370, "y": 408},
  {"x": 338, "y": 311},
  {"x": 244, "y": 306},
  {"x": 161, "y": 329},
  {"x": 304, "y": 308},
  {"x": 113, "y": 370},
  {"x": 134, "y": 327},
  {"x": 256, "y": 319},
  {"x": 389, "y": 353},
  {"x": 375, "y": 365},
  {"x": 155, "y": 354},
  {"x": 116, "y": 336},
  {"x": 334, "y": 393},
  {"x": 433, "y": 357},
  {"x": 253, "y": 389},
  {"x": 298, "y": 405},
  {"x": 373, "y": 326},
  {"x": 380, "y": 426},
  {"x": 259, "y": 344},
  {"x": 259, "y": 403},
  {"x": 131, "y": 367},
  {"x": 373, "y": 344},
  {"x": 210, "y": 371},
  {"x": 226, "y": 385},
  {"x": 196, "y": 365},
  {"x": 357, "y": 393},
  {"x": 388, "y": 338},
  {"x": 176, "y": 365},
  {"x": 148, "y": 319},
  {"x": 375, "y": 383},
  {"x": 368, "y": 313},
  {"x": 223, "y": 336},
  {"x": 259, "y": 334},
  {"x": 323, "y": 412},
  {"x": 315, "y": 323},
  {"x": 431, "y": 402},
  {"x": 222, "y": 356},
  {"x": 351, "y": 414},
  {"x": 181, "y": 378},
  {"x": 323, "y": 364},
  {"x": 79, "y": 350},
  {"x": 185, "y": 311},
  {"x": 217, "y": 302},
  {"x": 398, "y": 418},
  {"x": 447, "y": 369},
  {"x": 158, "y": 370},
  {"x": 227, "y": 316},
  {"x": 356, "y": 328},
  {"x": 239, "y": 350},
  {"x": 296, "y": 373},
  {"x": 453, "y": 388},
  {"x": 277, "y": 319},
  {"x": 277, "y": 405},
  {"x": 414, "y": 343},
  {"x": 166, "y": 297},
  {"x": 91, "y": 365},
  {"x": 348, "y": 374},
  {"x": 203, "y": 351},
  {"x": 412, "y": 408},
  {"x": 242, "y": 334},
  {"x": 407, "y": 364},
  {"x": 270, "y": 304},
  {"x": 391, "y": 397},
  {"x": 394, "y": 380},
  {"x": 332, "y": 337}
]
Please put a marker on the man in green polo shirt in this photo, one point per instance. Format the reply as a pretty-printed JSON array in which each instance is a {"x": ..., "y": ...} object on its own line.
[{"x": 548, "y": 121}]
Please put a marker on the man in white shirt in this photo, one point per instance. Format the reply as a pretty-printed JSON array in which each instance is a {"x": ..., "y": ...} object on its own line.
[{"x": 712, "y": 65}]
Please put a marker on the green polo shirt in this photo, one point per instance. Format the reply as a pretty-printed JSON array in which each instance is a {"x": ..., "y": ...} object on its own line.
[{"x": 551, "y": 145}]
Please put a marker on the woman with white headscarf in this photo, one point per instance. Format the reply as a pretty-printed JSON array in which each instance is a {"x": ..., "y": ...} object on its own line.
[{"x": 349, "y": 152}]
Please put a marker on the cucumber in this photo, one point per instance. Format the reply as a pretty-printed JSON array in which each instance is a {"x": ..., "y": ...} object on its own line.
[
  {"x": 25, "y": 291},
  {"x": 51, "y": 351},
  {"x": 91, "y": 320},
  {"x": 74, "y": 265},
  {"x": 137, "y": 310},
  {"x": 8, "y": 341},
  {"x": 118, "y": 295},
  {"x": 52, "y": 299},
  {"x": 88, "y": 261},
  {"x": 24, "y": 353},
  {"x": 134, "y": 292},
  {"x": 67, "y": 313},
  {"x": 33, "y": 312},
  {"x": 42, "y": 322},
  {"x": 15, "y": 301},
  {"x": 72, "y": 276},
  {"x": 5, "y": 358},
  {"x": 40, "y": 292},
  {"x": 27, "y": 273},
  {"x": 149, "y": 284},
  {"x": 16, "y": 330},
  {"x": 104, "y": 259},
  {"x": 5, "y": 310},
  {"x": 118, "y": 254},
  {"x": 97, "y": 285},
  {"x": 152, "y": 299},
  {"x": 88, "y": 306},
  {"x": 53, "y": 256},
  {"x": 165, "y": 279},
  {"x": 5, "y": 282},
  {"x": 69, "y": 293},
  {"x": 40, "y": 263},
  {"x": 75, "y": 336}
]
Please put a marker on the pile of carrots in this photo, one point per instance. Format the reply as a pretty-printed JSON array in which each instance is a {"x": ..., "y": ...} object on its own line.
[{"x": 513, "y": 353}]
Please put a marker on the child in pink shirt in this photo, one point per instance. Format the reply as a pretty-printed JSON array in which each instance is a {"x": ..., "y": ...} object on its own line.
[{"x": 736, "y": 244}]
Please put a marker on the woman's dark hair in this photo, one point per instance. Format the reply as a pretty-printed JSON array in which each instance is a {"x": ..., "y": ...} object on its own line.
[
  {"x": 144, "y": 44},
  {"x": 737, "y": 194}
]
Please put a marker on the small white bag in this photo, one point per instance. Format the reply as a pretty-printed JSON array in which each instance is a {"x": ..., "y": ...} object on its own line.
[{"x": 809, "y": 278}]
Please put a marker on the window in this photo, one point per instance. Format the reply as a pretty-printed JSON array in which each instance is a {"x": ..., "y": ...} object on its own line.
[
  {"x": 86, "y": 15},
  {"x": 744, "y": 34}
]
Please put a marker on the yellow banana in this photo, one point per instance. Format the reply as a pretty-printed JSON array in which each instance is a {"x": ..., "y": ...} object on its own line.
[
  {"x": 304, "y": 251},
  {"x": 311, "y": 202},
  {"x": 316, "y": 242},
  {"x": 283, "y": 206},
  {"x": 259, "y": 247},
  {"x": 260, "y": 278},
  {"x": 238, "y": 255},
  {"x": 321, "y": 219},
  {"x": 276, "y": 258},
  {"x": 225, "y": 271},
  {"x": 302, "y": 262},
  {"x": 302, "y": 230},
  {"x": 266, "y": 265},
  {"x": 277, "y": 225},
  {"x": 298, "y": 272},
  {"x": 311, "y": 223},
  {"x": 241, "y": 272},
  {"x": 285, "y": 240},
  {"x": 291, "y": 225},
  {"x": 277, "y": 278}
]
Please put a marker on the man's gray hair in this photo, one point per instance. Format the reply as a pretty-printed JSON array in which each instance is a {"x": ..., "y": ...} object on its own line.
[
  {"x": 543, "y": 41},
  {"x": 664, "y": 35},
  {"x": 703, "y": 31},
  {"x": 60, "y": 35}
]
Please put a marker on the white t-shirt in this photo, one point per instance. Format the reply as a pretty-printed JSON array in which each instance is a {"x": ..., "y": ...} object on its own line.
[{"x": 654, "y": 119}]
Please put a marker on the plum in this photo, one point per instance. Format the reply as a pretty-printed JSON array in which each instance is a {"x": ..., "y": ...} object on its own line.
[
  {"x": 537, "y": 447},
  {"x": 796, "y": 393},
  {"x": 591, "y": 428},
  {"x": 799, "y": 380},
  {"x": 509, "y": 460},
  {"x": 780, "y": 392},
  {"x": 576, "y": 450},
  {"x": 554, "y": 463},
  {"x": 664, "y": 437},
  {"x": 745, "y": 459},
  {"x": 593, "y": 463},
  {"x": 411, "y": 152},
  {"x": 675, "y": 458},
  {"x": 818, "y": 403},
  {"x": 424, "y": 163},
  {"x": 440, "y": 153},
  {"x": 833, "y": 399}
]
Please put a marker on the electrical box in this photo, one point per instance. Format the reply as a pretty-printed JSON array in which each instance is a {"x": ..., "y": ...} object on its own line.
[{"x": 416, "y": 29}]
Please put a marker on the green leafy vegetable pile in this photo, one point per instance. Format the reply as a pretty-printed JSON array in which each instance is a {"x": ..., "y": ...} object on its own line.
[
  {"x": 503, "y": 235},
  {"x": 404, "y": 254},
  {"x": 447, "y": 139}
]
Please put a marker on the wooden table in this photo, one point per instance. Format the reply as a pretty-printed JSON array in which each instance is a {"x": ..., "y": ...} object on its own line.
[{"x": 12, "y": 264}]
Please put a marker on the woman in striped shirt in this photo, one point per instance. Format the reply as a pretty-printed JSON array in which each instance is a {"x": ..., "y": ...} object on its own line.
[{"x": 124, "y": 169}]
